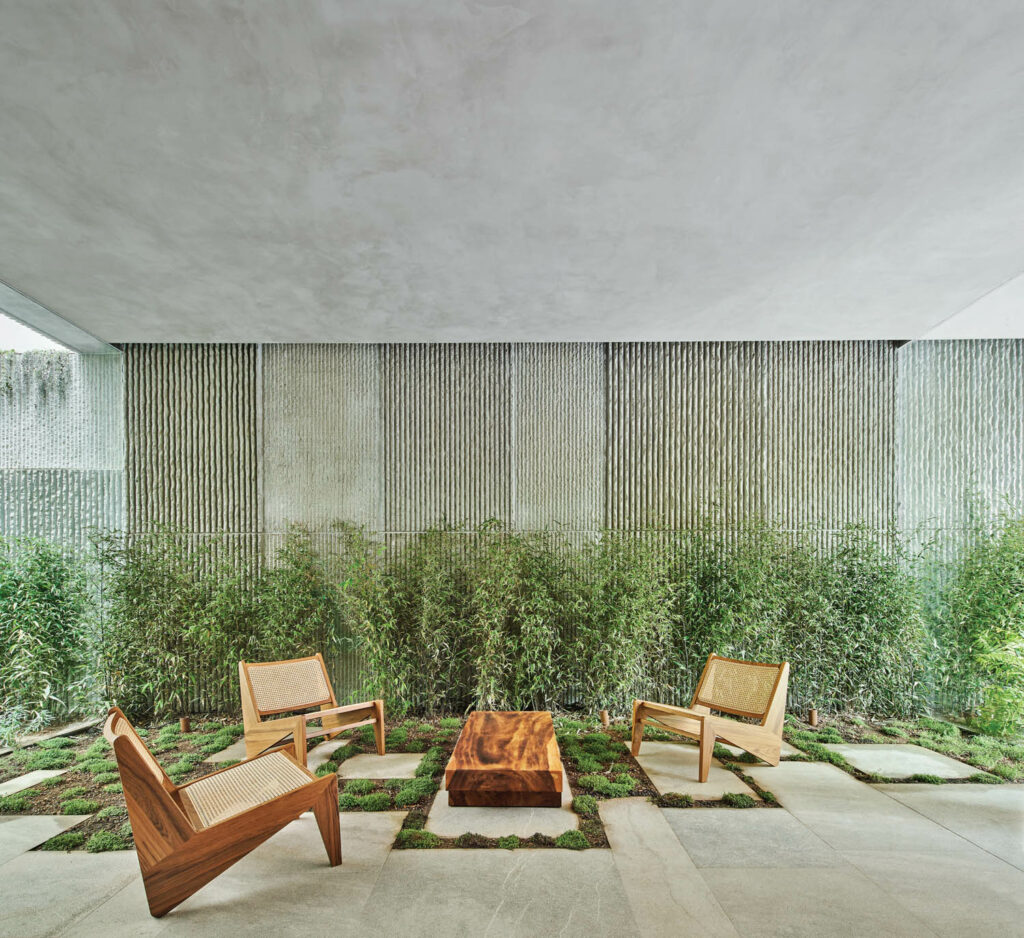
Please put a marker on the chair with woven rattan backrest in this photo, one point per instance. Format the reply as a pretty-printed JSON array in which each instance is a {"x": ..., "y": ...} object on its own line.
[
  {"x": 186, "y": 835},
  {"x": 272, "y": 688},
  {"x": 749, "y": 689}
]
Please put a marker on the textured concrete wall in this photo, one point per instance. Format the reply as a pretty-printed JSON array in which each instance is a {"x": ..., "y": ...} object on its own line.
[
  {"x": 246, "y": 439},
  {"x": 961, "y": 432},
  {"x": 61, "y": 445}
]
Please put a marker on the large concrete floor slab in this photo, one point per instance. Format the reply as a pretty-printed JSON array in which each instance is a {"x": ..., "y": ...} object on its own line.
[
  {"x": 811, "y": 903},
  {"x": 724, "y": 837},
  {"x": 673, "y": 767},
  {"x": 19, "y": 833},
  {"x": 785, "y": 750},
  {"x": 391, "y": 765},
  {"x": 446, "y": 821},
  {"x": 665, "y": 890},
  {"x": 498, "y": 893},
  {"x": 901, "y": 760},
  {"x": 990, "y": 816},
  {"x": 848, "y": 814}
]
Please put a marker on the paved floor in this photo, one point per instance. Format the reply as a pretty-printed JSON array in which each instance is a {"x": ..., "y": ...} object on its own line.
[{"x": 842, "y": 858}]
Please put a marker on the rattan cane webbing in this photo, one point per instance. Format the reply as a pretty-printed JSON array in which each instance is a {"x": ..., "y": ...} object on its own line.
[
  {"x": 122, "y": 727},
  {"x": 294, "y": 685},
  {"x": 243, "y": 786},
  {"x": 738, "y": 686}
]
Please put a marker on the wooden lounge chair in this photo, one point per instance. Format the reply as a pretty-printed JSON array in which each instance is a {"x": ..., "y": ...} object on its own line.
[
  {"x": 277, "y": 687},
  {"x": 186, "y": 835},
  {"x": 742, "y": 688}
]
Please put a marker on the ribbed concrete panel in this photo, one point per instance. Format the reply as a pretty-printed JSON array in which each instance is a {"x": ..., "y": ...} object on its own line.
[
  {"x": 830, "y": 448},
  {"x": 559, "y": 403},
  {"x": 685, "y": 433},
  {"x": 447, "y": 435},
  {"x": 322, "y": 435},
  {"x": 961, "y": 430},
  {"x": 61, "y": 410},
  {"x": 192, "y": 458},
  {"x": 61, "y": 505}
]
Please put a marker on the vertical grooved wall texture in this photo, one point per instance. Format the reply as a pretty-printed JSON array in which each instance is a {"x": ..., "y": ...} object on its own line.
[
  {"x": 961, "y": 431},
  {"x": 447, "y": 443},
  {"x": 191, "y": 428},
  {"x": 61, "y": 445}
]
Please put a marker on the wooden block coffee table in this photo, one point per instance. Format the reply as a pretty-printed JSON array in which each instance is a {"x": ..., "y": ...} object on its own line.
[{"x": 506, "y": 759}]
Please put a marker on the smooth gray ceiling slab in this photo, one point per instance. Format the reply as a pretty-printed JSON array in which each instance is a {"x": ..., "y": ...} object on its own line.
[{"x": 424, "y": 171}]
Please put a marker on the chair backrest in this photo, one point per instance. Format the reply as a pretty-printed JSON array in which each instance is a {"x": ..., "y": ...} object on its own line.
[
  {"x": 159, "y": 825},
  {"x": 742, "y": 688},
  {"x": 282, "y": 686}
]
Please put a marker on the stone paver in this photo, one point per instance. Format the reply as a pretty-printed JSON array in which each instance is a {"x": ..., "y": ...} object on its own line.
[
  {"x": 19, "y": 833},
  {"x": 901, "y": 760},
  {"x": 392, "y": 765},
  {"x": 955, "y": 895},
  {"x": 673, "y": 767},
  {"x": 322, "y": 753},
  {"x": 13, "y": 785},
  {"x": 68, "y": 729},
  {"x": 990, "y": 816},
  {"x": 497, "y": 893},
  {"x": 848, "y": 814},
  {"x": 447, "y": 821},
  {"x": 665, "y": 890},
  {"x": 810, "y": 903},
  {"x": 785, "y": 750},
  {"x": 723, "y": 837}
]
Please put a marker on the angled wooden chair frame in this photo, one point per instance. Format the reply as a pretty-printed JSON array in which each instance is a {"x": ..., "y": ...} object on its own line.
[
  {"x": 275, "y": 687},
  {"x": 748, "y": 689},
  {"x": 186, "y": 835}
]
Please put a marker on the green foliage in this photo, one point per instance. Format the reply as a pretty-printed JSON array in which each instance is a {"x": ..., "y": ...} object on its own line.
[
  {"x": 512, "y": 842},
  {"x": 18, "y": 803},
  {"x": 327, "y": 768},
  {"x": 68, "y": 840},
  {"x": 572, "y": 840},
  {"x": 112, "y": 810},
  {"x": 416, "y": 840},
  {"x": 377, "y": 801},
  {"x": 450, "y": 723},
  {"x": 981, "y": 639},
  {"x": 983, "y": 778},
  {"x": 182, "y": 612},
  {"x": 359, "y": 786},
  {"x": 49, "y": 759},
  {"x": 674, "y": 799},
  {"x": 738, "y": 800},
  {"x": 585, "y": 805},
  {"x": 114, "y": 787},
  {"x": 57, "y": 742},
  {"x": 471, "y": 840},
  {"x": 414, "y": 790},
  {"x": 46, "y": 636},
  {"x": 620, "y": 787},
  {"x": 75, "y": 791},
  {"x": 98, "y": 766},
  {"x": 926, "y": 779},
  {"x": 396, "y": 738},
  {"x": 79, "y": 806},
  {"x": 103, "y": 841}
]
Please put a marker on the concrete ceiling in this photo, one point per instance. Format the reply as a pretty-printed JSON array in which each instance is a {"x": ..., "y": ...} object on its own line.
[{"x": 424, "y": 171}]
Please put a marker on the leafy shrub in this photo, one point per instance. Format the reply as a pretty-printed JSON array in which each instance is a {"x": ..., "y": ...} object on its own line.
[
  {"x": 396, "y": 738},
  {"x": 416, "y": 839},
  {"x": 45, "y": 635},
  {"x": 511, "y": 842},
  {"x": 622, "y": 785},
  {"x": 103, "y": 841},
  {"x": 18, "y": 803},
  {"x": 79, "y": 806},
  {"x": 57, "y": 742},
  {"x": 75, "y": 791},
  {"x": 450, "y": 723},
  {"x": 114, "y": 787},
  {"x": 572, "y": 840},
  {"x": 738, "y": 800},
  {"x": 113, "y": 810},
  {"x": 99, "y": 766},
  {"x": 414, "y": 790},
  {"x": 358, "y": 786},
  {"x": 585, "y": 805},
  {"x": 327, "y": 768},
  {"x": 377, "y": 801},
  {"x": 68, "y": 840}
]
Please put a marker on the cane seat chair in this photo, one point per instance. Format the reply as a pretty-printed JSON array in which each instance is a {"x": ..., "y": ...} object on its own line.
[
  {"x": 749, "y": 689},
  {"x": 271, "y": 689},
  {"x": 186, "y": 835}
]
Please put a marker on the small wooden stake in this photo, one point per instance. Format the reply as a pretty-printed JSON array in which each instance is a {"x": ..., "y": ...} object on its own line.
[
  {"x": 186, "y": 724},
  {"x": 604, "y": 717},
  {"x": 812, "y": 716}
]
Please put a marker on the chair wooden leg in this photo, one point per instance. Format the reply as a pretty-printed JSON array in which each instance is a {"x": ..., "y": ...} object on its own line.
[
  {"x": 638, "y": 726},
  {"x": 378, "y": 727},
  {"x": 325, "y": 809},
  {"x": 707, "y": 746}
]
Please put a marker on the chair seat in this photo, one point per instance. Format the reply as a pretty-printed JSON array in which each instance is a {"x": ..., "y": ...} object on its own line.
[{"x": 241, "y": 787}]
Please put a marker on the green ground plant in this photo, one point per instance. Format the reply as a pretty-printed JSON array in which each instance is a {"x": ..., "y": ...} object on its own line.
[{"x": 68, "y": 840}]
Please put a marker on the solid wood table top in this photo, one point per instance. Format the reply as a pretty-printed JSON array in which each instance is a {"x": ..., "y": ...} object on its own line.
[{"x": 523, "y": 740}]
